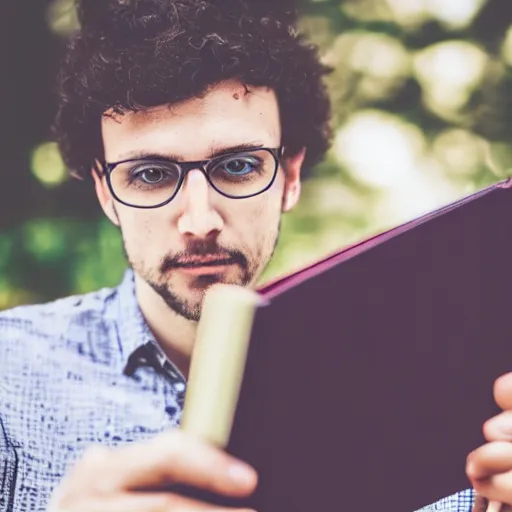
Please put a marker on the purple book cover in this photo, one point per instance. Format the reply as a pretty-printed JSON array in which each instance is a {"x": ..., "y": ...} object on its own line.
[{"x": 370, "y": 374}]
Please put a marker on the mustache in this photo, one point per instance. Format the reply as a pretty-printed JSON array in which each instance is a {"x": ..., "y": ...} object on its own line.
[{"x": 204, "y": 250}]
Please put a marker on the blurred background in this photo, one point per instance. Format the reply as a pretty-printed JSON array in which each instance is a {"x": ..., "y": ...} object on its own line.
[{"x": 422, "y": 117}]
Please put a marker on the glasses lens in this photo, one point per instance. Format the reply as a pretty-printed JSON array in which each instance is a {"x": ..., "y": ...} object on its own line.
[
  {"x": 145, "y": 182},
  {"x": 243, "y": 174}
]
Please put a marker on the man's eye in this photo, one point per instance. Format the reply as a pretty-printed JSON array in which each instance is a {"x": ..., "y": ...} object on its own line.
[
  {"x": 151, "y": 176},
  {"x": 239, "y": 166}
]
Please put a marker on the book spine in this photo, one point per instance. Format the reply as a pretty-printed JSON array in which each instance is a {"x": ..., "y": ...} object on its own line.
[{"x": 218, "y": 362}]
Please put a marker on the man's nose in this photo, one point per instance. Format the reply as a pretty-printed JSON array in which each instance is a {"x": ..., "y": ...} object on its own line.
[{"x": 198, "y": 217}]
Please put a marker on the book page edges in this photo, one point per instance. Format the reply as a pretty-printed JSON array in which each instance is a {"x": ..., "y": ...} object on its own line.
[{"x": 218, "y": 362}]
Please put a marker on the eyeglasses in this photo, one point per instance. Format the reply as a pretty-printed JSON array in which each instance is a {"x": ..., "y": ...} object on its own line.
[{"x": 154, "y": 182}]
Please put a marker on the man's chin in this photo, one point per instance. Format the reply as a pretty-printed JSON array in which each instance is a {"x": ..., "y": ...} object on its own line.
[
  {"x": 187, "y": 296},
  {"x": 201, "y": 283}
]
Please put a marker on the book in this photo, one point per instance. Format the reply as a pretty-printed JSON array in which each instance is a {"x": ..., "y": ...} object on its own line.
[{"x": 363, "y": 381}]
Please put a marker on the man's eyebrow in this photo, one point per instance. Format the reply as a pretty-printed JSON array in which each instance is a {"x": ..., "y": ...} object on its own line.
[{"x": 213, "y": 153}]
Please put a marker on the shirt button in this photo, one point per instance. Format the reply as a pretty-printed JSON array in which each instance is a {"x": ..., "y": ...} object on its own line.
[
  {"x": 171, "y": 411},
  {"x": 179, "y": 387}
]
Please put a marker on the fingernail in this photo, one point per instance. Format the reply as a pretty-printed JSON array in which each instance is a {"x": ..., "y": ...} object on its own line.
[{"x": 241, "y": 474}]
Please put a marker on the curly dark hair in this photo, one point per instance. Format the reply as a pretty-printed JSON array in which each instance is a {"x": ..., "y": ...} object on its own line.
[{"x": 134, "y": 54}]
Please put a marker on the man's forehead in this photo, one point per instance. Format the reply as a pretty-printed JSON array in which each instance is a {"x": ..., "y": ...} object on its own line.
[{"x": 223, "y": 117}]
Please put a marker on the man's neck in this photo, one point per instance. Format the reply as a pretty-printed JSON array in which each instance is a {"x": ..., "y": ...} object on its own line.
[{"x": 175, "y": 334}]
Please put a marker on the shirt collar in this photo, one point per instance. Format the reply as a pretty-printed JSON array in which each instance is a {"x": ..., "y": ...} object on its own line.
[
  {"x": 132, "y": 328},
  {"x": 134, "y": 333}
]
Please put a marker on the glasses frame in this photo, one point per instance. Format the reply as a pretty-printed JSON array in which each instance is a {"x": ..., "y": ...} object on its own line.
[{"x": 185, "y": 168}]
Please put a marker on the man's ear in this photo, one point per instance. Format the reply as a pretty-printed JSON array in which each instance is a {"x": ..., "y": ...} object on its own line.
[
  {"x": 292, "y": 166},
  {"x": 104, "y": 196}
]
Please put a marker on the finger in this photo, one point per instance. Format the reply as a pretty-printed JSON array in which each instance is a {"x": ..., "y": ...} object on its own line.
[
  {"x": 497, "y": 489},
  {"x": 142, "y": 502},
  {"x": 499, "y": 428},
  {"x": 480, "y": 504},
  {"x": 503, "y": 391},
  {"x": 489, "y": 460},
  {"x": 170, "y": 458}
]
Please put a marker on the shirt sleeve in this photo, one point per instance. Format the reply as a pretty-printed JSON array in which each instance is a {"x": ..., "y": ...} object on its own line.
[{"x": 460, "y": 502}]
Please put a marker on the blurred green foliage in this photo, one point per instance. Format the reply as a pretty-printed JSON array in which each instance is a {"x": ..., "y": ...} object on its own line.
[
  {"x": 48, "y": 258},
  {"x": 421, "y": 112}
]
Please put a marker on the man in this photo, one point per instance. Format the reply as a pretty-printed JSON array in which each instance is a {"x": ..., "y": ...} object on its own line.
[{"x": 197, "y": 120}]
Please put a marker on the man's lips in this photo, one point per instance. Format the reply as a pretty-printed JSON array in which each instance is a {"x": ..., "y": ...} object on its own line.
[
  {"x": 204, "y": 266},
  {"x": 204, "y": 262}
]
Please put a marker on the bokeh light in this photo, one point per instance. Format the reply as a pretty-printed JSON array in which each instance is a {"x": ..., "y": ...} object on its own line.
[
  {"x": 44, "y": 238},
  {"x": 379, "y": 148},
  {"x": 506, "y": 47},
  {"x": 460, "y": 152},
  {"x": 449, "y": 72},
  {"x": 455, "y": 14},
  {"x": 421, "y": 191},
  {"x": 47, "y": 165},
  {"x": 62, "y": 17},
  {"x": 409, "y": 12}
]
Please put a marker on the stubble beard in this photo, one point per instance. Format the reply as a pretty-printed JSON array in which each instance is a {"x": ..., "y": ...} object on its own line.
[
  {"x": 251, "y": 270},
  {"x": 201, "y": 284}
]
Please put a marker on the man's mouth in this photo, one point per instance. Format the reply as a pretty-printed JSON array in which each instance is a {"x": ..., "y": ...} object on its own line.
[{"x": 204, "y": 262}]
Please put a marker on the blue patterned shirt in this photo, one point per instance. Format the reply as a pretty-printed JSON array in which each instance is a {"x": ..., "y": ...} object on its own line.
[{"x": 80, "y": 371}]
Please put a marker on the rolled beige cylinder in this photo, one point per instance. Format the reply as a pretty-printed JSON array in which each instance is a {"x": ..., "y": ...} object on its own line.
[{"x": 218, "y": 362}]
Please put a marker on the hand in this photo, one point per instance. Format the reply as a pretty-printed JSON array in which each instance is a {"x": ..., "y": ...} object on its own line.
[
  {"x": 134, "y": 478},
  {"x": 489, "y": 468}
]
